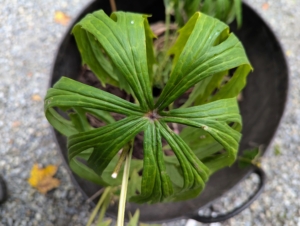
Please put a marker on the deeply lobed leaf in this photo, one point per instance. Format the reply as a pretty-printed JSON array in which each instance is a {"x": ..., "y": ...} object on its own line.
[
  {"x": 156, "y": 184},
  {"x": 212, "y": 118},
  {"x": 125, "y": 37},
  {"x": 106, "y": 141},
  {"x": 196, "y": 56}
]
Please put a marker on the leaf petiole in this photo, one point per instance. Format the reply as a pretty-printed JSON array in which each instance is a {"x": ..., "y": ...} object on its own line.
[
  {"x": 124, "y": 186},
  {"x": 122, "y": 157}
]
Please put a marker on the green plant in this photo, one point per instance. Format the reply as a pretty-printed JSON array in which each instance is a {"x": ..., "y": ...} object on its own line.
[
  {"x": 224, "y": 10},
  {"x": 119, "y": 50}
]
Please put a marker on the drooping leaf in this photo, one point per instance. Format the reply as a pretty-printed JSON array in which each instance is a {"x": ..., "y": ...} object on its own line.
[
  {"x": 68, "y": 93},
  {"x": 195, "y": 173},
  {"x": 82, "y": 170},
  {"x": 85, "y": 172},
  {"x": 196, "y": 56},
  {"x": 92, "y": 54},
  {"x": 123, "y": 37},
  {"x": 212, "y": 118},
  {"x": 102, "y": 115},
  {"x": 204, "y": 89},
  {"x": 234, "y": 85},
  {"x": 202, "y": 144},
  {"x": 156, "y": 184},
  {"x": 106, "y": 141},
  {"x": 61, "y": 124},
  {"x": 79, "y": 120}
]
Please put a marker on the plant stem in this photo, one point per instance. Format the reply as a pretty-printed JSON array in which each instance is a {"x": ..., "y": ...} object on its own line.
[
  {"x": 167, "y": 32},
  {"x": 113, "y": 5},
  {"x": 104, "y": 208},
  {"x": 100, "y": 202},
  {"x": 122, "y": 201},
  {"x": 95, "y": 195},
  {"x": 122, "y": 157}
]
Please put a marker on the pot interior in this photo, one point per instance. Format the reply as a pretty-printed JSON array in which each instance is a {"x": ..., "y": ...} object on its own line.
[{"x": 261, "y": 107}]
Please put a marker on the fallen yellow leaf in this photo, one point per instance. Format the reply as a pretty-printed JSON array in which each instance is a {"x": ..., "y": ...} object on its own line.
[
  {"x": 42, "y": 178},
  {"x": 36, "y": 97},
  {"x": 61, "y": 18}
]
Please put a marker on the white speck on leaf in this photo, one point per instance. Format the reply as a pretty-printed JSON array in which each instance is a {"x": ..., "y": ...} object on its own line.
[{"x": 132, "y": 22}]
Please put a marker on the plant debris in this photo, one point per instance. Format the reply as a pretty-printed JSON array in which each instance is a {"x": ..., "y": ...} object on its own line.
[
  {"x": 36, "y": 97},
  {"x": 61, "y": 18},
  {"x": 42, "y": 178}
]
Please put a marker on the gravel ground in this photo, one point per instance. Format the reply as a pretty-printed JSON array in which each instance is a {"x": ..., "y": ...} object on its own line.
[{"x": 29, "y": 37}]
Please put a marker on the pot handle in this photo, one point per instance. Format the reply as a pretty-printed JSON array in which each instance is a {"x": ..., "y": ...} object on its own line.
[{"x": 262, "y": 176}]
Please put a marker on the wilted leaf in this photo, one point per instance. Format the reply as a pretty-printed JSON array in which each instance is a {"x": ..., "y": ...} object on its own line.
[{"x": 42, "y": 178}]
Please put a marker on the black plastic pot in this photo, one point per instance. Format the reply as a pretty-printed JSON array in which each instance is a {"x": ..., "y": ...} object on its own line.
[{"x": 262, "y": 107}]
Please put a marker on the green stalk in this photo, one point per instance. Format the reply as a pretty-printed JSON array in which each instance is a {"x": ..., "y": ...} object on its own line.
[
  {"x": 100, "y": 202},
  {"x": 122, "y": 157},
  {"x": 122, "y": 201},
  {"x": 103, "y": 209},
  {"x": 165, "y": 56},
  {"x": 167, "y": 32}
]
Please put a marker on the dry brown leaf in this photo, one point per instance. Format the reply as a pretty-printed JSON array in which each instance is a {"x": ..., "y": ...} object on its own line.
[
  {"x": 42, "y": 178},
  {"x": 265, "y": 6},
  {"x": 61, "y": 18},
  {"x": 36, "y": 97}
]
